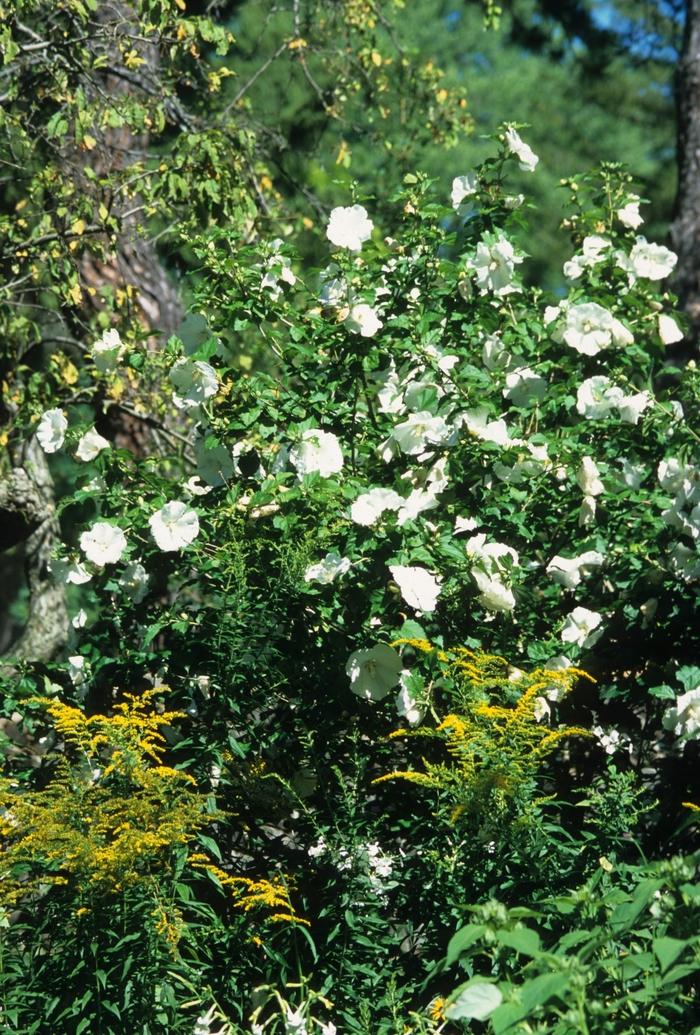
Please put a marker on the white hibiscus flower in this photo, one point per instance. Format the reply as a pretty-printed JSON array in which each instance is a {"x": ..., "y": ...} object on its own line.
[
  {"x": 683, "y": 718},
  {"x": 523, "y": 152},
  {"x": 669, "y": 331},
  {"x": 134, "y": 581},
  {"x": 71, "y": 572},
  {"x": 582, "y": 627},
  {"x": 370, "y": 506},
  {"x": 317, "y": 452},
  {"x": 494, "y": 265},
  {"x": 652, "y": 261},
  {"x": 524, "y": 387},
  {"x": 363, "y": 320},
  {"x": 108, "y": 351},
  {"x": 417, "y": 503},
  {"x": 494, "y": 595},
  {"x": 174, "y": 526},
  {"x": 51, "y": 430},
  {"x": 419, "y": 588},
  {"x": 349, "y": 227},
  {"x": 374, "y": 672},
  {"x": 462, "y": 187},
  {"x": 588, "y": 478},
  {"x": 420, "y": 430},
  {"x": 194, "y": 382},
  {"x": 629, "y": 213},
  {"x": 328, "y": 569},
  {"x": 568, "y": 571},
  {"x": 589, "y": 327},
  {"x": 631, "y": 407},
  {"x": 597, "y": 397},
  {"x": 103, "y": 543},
  {"x": 90, "y": 445}
]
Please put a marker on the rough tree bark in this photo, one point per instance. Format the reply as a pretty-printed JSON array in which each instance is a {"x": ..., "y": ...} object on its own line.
[
  {"x": 27, "y": 514},
  {"x": 27, "y": 510},
  {"x": 685, "y": 229}
]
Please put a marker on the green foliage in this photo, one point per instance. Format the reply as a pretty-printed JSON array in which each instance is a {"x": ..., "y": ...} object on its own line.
[
  {"x": 350, "y": 469},
  {"x": 620, "y": 955}
]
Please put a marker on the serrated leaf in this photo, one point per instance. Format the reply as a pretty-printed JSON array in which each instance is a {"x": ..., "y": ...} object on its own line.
[{"x": 522, "y": 939}]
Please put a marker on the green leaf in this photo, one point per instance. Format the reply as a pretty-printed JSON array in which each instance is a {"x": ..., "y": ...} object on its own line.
[
  {"x": 689, "y": 676},
  {"x": 667, "y": 950},
  {"x": 210, "y": 844},
  {"x": 462, "y": 940},
  {"x": 475, "y": 1001},
  {"x": 543, "y": 988},
  {"x": 626, "y": 913},
  {"x": 522, "y": 939},
  {"x": 663, "y": 692}
]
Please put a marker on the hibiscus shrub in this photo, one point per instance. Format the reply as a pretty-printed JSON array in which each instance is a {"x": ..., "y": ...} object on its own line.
[{"x": 373, "y": 485}]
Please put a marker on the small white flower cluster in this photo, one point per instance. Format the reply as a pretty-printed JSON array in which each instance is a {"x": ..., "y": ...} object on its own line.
[
  {"x": 277, "y": 271},
  {"x": 203, "y": 1024},
  {"x": 611, "y": 740}
]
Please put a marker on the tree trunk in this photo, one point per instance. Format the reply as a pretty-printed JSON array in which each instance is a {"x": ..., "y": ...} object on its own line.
[
  {"x": 685, "y": 229},
  {"x": 27, "y": 508}
]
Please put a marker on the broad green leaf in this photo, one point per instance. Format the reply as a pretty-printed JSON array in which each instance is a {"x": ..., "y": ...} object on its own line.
[
  {"x": 522, "y": 939},
  {"x": 667, "y": 950},
  {"x": 475, "y": 1001},
  {"x": 462, "y": 940}
]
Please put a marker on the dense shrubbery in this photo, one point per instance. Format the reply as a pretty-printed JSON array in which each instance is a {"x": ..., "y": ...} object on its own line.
[{"x": 418, "y": 563}]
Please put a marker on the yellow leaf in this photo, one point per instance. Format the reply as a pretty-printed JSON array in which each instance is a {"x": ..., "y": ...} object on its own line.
[
  {"x": 265, "y": 183},
  {"x": 75, "y": 294},
  {"x": 102, "y": 212},
  {"x": 343, "y": 156},
  {"x": 79, "y": 227},
  {"x": 88, "y": 143},
  {"x": 297, "y": 44},
  {"x": 133, "y": 59},
  {"x": 442, "y": 95},
  {"x": 376, "y": 58},
  {"x": 181, "y": 4}
]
